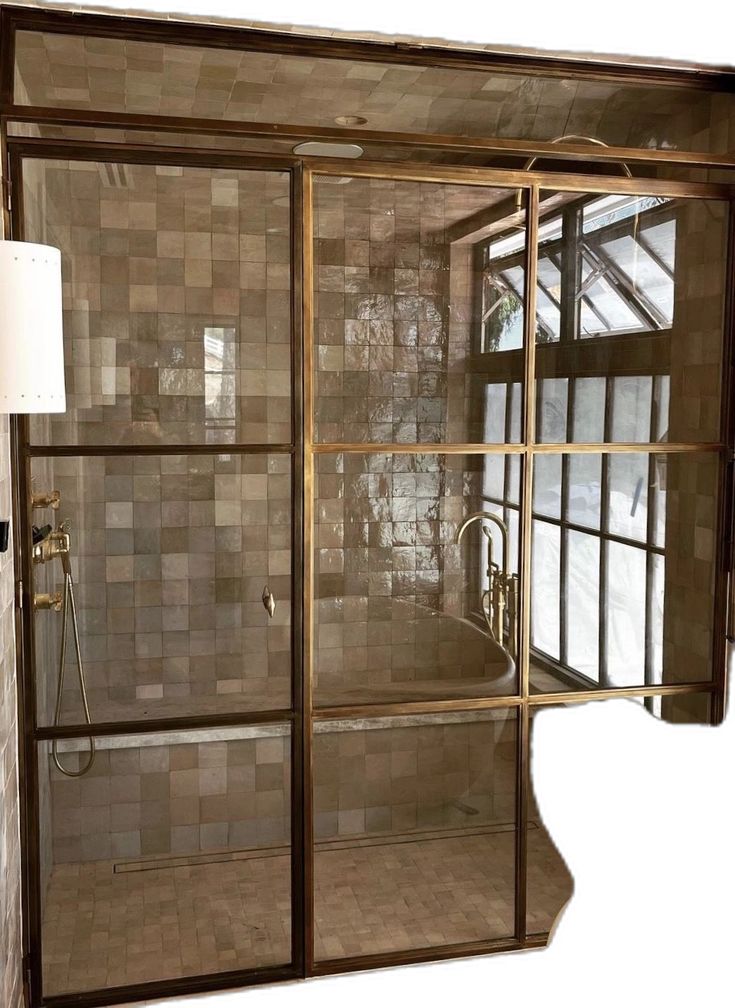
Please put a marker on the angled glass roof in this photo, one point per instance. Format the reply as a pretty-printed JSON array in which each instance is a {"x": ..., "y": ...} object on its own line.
[{"x": 626, "y": 250}]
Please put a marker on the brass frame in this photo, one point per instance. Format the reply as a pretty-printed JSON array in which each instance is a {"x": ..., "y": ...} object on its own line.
[{"x": 303, "y": 449}]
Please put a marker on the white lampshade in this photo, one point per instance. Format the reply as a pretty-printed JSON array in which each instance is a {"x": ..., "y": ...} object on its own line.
[{"x": 31, "y": 336}]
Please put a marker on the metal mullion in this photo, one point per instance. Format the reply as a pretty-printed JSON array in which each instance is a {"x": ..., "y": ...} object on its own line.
[
  {"x": 299, "y": 778},
  {"x": 564, "y": 533},
  {"x": 403, "y": 448},
  {"x": 307, "y": 587},
  {"x": 724, "y": 614},
  {"x": 40, "y": 115},
  {"x": 604, "y": 511},
  {"x": 628, "y": 447},
  {"x": 607, "y": 185},
  {"x": 88, "y": 451},
  {"x": 651, "y": 508},
  {"x": 523, "y": 743},
  {"x": 50, "y": 148},
  {"x": 616, "y": 692},
  {"x": 588, "y": 530},
  {"x": 157, "y": 726},
  {"x": 410, "y": 708},
  {"x": 30, "y": 826}
]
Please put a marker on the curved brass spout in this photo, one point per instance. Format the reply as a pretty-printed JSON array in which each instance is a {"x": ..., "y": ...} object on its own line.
[{"x": 501, "y": 596}]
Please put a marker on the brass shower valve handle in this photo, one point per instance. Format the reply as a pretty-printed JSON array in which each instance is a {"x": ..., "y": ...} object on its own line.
[
  {"x": 56, "y": 544},
  {"x": 46, "y": 500},
  {"x": 43, "y": 600}
]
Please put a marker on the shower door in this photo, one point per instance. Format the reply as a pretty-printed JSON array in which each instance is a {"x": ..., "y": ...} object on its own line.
[{"x": 175, "y": 467}]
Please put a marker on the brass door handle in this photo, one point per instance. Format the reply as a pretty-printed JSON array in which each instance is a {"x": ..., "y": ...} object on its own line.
[{"x": 268, "y": 601}]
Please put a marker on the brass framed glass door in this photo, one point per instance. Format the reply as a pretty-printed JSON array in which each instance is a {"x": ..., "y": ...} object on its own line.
[{"x": 165, "y": 758}]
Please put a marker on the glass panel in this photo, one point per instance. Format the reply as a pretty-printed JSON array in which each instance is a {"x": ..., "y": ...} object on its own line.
[
  {"x": 170, "y": 556},
  {"x": 398, "y": 602},
  {"x": 415, "y": 832},
  {"x": 417, "y": 327},
  {"x": 639, "y": 336},
  {"x": 652, "y": 576},
  {"x": 588, "y": 411},
  {"x": 583, "y": 491},
  {"x": 170, "y": 857},
  {"x": 583, "y": 603},
  {"x": 552, "y": 409},
  {"x": 176, "y": 301},
  {"x": 224, "y": 83},
  {"x": 625, "y": 631},
  {"x": 628, "y": 486},
  {"x": 547, "y": 486},
  {"x": 631, "y": 409},
  {"x": 545, "y": 588}
]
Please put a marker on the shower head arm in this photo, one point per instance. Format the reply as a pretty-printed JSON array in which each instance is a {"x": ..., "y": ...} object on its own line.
[{"x": 574, "y": 137}]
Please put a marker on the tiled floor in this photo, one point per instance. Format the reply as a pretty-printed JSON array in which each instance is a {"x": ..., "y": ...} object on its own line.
[{"x": 105, "y": 928}]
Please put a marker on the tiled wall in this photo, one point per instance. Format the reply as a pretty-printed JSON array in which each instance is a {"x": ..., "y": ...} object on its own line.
[
  {"x": 182, "y": 795},
  {"x": 393, "y": 300},
  {"x": 176, "y": 795},
  {"x": 10, "y": 919},
  {"x": 394, "y": 362},
  {"x": 177, "y": 322},
  {"x": 691, "y": 506},
  {"x": 403, "y": 774},
  {"x": 170, "y": 556},
  {"x": 386, "y": 562},
  {"x": 155, "y": 78},
  {"x": 176, "y": 301}
]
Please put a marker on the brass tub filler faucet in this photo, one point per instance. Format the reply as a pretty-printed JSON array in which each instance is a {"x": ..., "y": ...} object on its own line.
[{"x": 499, "y": 602}]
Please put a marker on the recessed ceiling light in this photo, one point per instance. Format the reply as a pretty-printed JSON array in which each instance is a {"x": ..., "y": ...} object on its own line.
[
  {"x": 316, "y": 148},
  {"x": 350, "y": 120}
]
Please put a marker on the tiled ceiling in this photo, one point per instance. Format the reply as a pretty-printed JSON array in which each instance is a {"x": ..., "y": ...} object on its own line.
[{"x": 163, "y": 79}]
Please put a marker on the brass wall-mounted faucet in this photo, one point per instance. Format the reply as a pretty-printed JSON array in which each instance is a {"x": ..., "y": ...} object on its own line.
[{"x": 499, "y": 602}]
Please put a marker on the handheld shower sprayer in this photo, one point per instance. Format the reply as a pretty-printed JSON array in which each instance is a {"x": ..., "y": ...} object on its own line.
[{"x": 48, "y": 545}]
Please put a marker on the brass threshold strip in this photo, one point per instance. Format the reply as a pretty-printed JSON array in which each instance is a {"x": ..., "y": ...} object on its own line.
[{"x": 383, "y": 960}]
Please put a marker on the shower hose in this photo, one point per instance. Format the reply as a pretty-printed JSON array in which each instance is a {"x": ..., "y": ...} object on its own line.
[{"x": 69, "y": 606}]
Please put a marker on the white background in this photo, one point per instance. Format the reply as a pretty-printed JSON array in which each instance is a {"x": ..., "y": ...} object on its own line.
[{"x": 643, "y": 812}]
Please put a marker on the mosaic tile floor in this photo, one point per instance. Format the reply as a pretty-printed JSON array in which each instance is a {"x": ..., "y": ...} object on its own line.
[{"x": 105, "y": 928}]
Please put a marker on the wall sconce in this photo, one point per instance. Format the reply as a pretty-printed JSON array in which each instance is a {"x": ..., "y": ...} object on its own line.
[{"x": 31, "y": 336}]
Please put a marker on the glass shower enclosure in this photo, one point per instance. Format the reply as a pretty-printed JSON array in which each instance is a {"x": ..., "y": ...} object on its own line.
[{"x": 364, "y": 464}]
